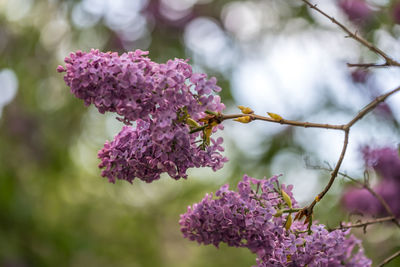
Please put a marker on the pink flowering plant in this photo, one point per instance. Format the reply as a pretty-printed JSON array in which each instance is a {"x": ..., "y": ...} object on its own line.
[{"x": 171, "y": 114}]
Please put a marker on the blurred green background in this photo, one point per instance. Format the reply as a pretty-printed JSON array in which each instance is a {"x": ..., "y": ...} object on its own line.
[{"x": 56, "y": 210}]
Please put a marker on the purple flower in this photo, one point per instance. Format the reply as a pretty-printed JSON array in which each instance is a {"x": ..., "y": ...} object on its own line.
[
  {"x": 135, "y": 87},
  {"x": 251, "y": 218},
  {"x": 389, "y": 190},
  {"x": 110, "y": 82},
  {"x": 239, "y": 219},
  {"x": 356, "y": 10},
  {"x": 360, "y": 76},
  {"x": 360, "y": 200},
  {"x": 147, "y": 150},
  {"x": 386, "y": 162},
  {"x": 396, "y": 13},
  {"x": 161, "y": 98}
]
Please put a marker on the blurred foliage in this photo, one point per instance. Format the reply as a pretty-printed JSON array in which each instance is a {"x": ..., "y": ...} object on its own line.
[{"x": 55, "y": 210}]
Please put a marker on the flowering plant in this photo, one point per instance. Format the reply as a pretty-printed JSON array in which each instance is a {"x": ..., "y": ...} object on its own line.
[{"x": 170, "y": 115}]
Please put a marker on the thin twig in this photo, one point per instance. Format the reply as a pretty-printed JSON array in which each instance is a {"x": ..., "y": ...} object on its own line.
[
  {"x": 334, "y": 173},
  {"x": 364, "y": 224},
  {"x": 308, "y": 211},
  {"x": 389, "y": 259},
  {"x": 282, "y": 121},
  {"x": 368, "y": 188},
  {"x": 368, "y": 108},
  {"x": 372, "y": 192},
  {"x": 368, "y": 65},
  {"x": 378, "y": 197},
  {"x": 389, "y": 61}
]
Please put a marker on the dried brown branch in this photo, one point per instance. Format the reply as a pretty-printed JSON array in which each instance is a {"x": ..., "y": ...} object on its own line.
[
  {"x": 389, "y": 259},
  {"x": 388, "y": 60},
  {"x": 364, "y": 224}
]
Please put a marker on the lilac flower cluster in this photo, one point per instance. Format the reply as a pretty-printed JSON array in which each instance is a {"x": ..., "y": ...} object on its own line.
[
  {"x": 386, "y": 162},
  {"x": 160, "y": 98},
  {"x": 135, "y": 153},
  {"x": 257, "y": 217}
]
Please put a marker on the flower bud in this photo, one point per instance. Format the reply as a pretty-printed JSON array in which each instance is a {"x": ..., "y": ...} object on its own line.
[
  {"x": 275, "y": 116},
  {"x": 244, "y": 119},
  {"x": 192, "y": 123},
  {"x": 286, "y": 198},
  {"x": 246, "y": 110},
  {"x": 289, "y": 222}
]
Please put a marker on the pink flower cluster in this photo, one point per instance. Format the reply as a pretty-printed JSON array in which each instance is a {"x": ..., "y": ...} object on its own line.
[
  {"x": 254, "y": 218},
  {"x": 158, "y": 99}
]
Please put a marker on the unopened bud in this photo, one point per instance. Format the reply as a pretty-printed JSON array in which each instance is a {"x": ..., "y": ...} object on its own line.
[
  {"x": 275, "y": 116},
  {"x": 286, "y": 198},
  {"x": 207, "y": 134},
  {"x": 246, "y": 110},
  {"x": 244, "y": 119},
  {"x": 289, "y": 222},
  {"x": 192, "y": 122}
]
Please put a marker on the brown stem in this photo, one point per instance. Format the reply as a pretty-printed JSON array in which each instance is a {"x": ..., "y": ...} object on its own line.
[
  {"x": 389, "y": 61},
  {"x": 383, "y": 203},
  {"x": 344, "y": 127},
  {"x": 367, "y": 65},
  {"x": 389, "y": 259},
  {"x": 371, "y": 106},
  {"x": 377, "y": 196},
  {"x": 283, "y": 121},
  {"x": 365, "y": 224},
  {"x": 308, "y": 211},
  {"x": 367, "y": 187}
]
